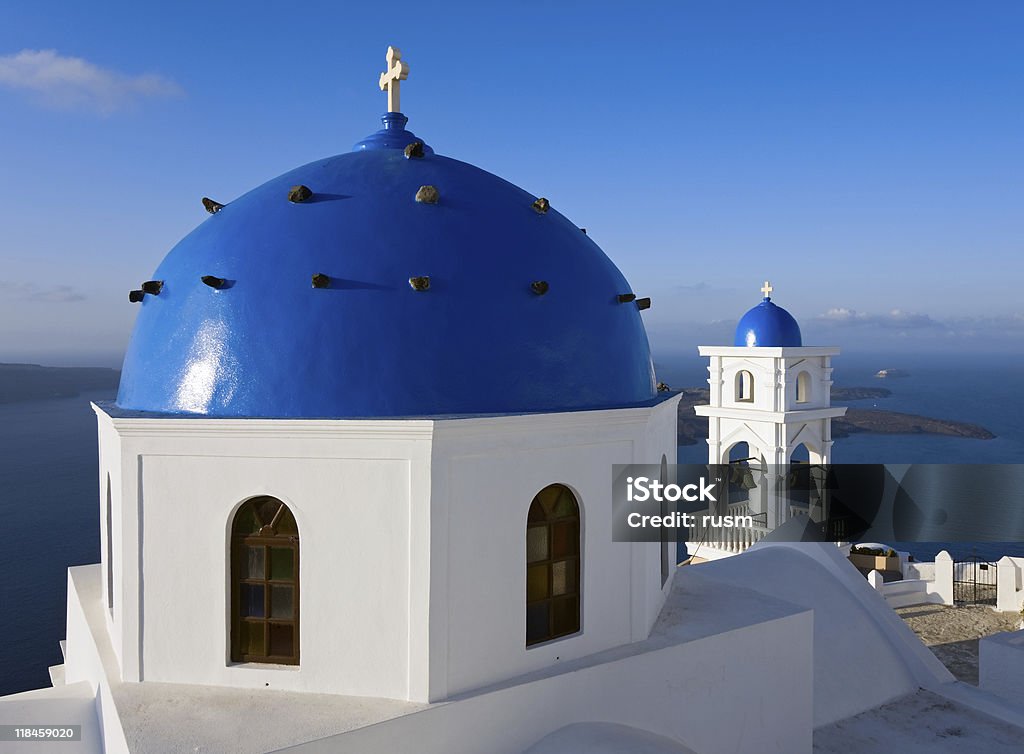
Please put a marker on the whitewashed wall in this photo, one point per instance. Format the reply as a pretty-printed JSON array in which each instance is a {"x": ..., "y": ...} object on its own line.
[
  {"x": 1010, "y": 584},
  {"x": 743, "y": 691},
  {"x": 120, "y": 624},
  {"x": 864, "y": 654},
  {"x": 773, "y": 424},
  {"x": 1001, "y": 665},
  {"x": 412, "y": 544},
  {"x": 90, "y": 654},
  {"x": 358, "y": 491},
  {"x": 486, "y": 474}
]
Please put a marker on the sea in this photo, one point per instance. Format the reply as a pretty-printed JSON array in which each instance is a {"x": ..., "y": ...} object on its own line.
[{"x": 49, "y": 486}]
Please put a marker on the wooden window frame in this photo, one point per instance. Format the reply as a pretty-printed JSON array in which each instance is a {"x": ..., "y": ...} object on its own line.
[
  {"x": 266, "y": 538},
  {"x": 549, "y": 523},
  {"x": 664, "y": 511}
]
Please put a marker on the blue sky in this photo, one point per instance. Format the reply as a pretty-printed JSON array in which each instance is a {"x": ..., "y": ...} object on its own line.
[{"x": 867, "y": 157}]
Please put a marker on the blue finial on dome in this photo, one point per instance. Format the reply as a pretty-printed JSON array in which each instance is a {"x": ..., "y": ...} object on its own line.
[
  {"x": 392, "y": 136},
  {"x": 768, "y": 325}
]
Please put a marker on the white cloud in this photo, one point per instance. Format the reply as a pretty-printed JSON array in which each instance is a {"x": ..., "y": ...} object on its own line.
[
  {"x": 74, "y": 83},
  {"x": 32, "y": 292},
  {"x": 848, "y": 326},
  {"x": 897, "y": 318},
  {"x": 1011, "y": 325}
]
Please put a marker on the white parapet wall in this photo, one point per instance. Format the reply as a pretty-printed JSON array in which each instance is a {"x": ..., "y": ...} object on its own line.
[
  {"x": 922, "y": 583},
  {"x": 925, "y": 583},
  {"x": 908, "y": 592},
  {"x": 724, "y": 672},
  {"x": 1009, "y": 594},
  {"x": 90, "y": 656},
  {"x": 864, "y": 654},
  {"x": 1001, "y": 665},
  {"x": 915, "y": 570},
  {"x": 944, "y": 577}
]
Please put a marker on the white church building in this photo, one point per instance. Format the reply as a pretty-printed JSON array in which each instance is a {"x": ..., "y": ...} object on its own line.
[{"x": 355, "y": 496}]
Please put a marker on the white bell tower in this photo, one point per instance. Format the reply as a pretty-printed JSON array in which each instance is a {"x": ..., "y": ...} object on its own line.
[{"x": 773, "y": 393}]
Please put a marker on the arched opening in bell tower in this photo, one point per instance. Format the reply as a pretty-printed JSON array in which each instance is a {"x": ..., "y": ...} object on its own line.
[
  {"x": 744, "y": 386},
  {"x": 803, "y": 387}
]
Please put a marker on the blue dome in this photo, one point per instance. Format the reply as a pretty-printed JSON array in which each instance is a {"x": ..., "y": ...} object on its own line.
[
  {"x": 480, "y": 339},
  {"x": 767, "y": 325}
]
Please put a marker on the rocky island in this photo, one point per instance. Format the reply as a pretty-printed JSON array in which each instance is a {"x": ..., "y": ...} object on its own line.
[
  {"x": 692, "y": 428},
  {"x": 21, "y": 382}
]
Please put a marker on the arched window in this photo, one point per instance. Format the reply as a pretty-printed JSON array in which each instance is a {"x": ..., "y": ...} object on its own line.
[
  {"x": 265, "y": 583},
  {"x": 552, "y": 565},
  {"x": 110, "y": 551},
  {"x": 663, "y": 478},
  {"x": 744, "y": 386},
  {"x": 803, "y": 387}
]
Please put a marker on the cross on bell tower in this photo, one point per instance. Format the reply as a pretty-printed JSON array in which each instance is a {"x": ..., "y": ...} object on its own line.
[{"x": 398, "y": 71}]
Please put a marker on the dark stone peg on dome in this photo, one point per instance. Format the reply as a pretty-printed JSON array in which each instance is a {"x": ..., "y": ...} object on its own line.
[
  {"x": 299, "y": 194},
  {"x": 542, "y": 205},
  {"x": 153, "y": 287},
  {"x": 213, "y": 282},
  {"x": 625, "y": 298},
  {"x": 540, "y": 287},
  {"x": 428, "y": 195},
  {"x": 414, "y": 151},
  {"x": 420, "y": 283},
  {"x": 211, "y": 206},
  {"x": 261, "y": 258},
  {"x": 643, "y": 303},
  {"x": 136, "y": 296},
  {"x": 321, "y": 280}
]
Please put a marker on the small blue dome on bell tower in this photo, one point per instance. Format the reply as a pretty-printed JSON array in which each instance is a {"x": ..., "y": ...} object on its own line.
[{"x": 768, "y": 325}]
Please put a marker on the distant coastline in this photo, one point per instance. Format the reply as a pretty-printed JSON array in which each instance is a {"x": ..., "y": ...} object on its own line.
[
  {"x": 30, "y": 382},
  {"x": 27, "y": 382},
  {"x": 692, "y": 428}
]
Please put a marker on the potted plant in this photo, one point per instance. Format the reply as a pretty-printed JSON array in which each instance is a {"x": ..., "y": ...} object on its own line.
[{"x": 875, "y": 558}]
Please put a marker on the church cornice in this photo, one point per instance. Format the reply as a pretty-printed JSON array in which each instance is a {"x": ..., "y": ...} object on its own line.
[
  {"x": 777, "y": 417},
  {"x": 375, "y": 429},
  {"x": 276, "y": 428},
  {"x": 761, "y": 352}
]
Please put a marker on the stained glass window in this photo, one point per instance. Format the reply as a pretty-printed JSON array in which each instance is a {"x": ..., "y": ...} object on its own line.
[
  {"x": 663, "y": 478},
  {"x": 552, "y": 565},
  {"x": 265, "y": 583}
]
